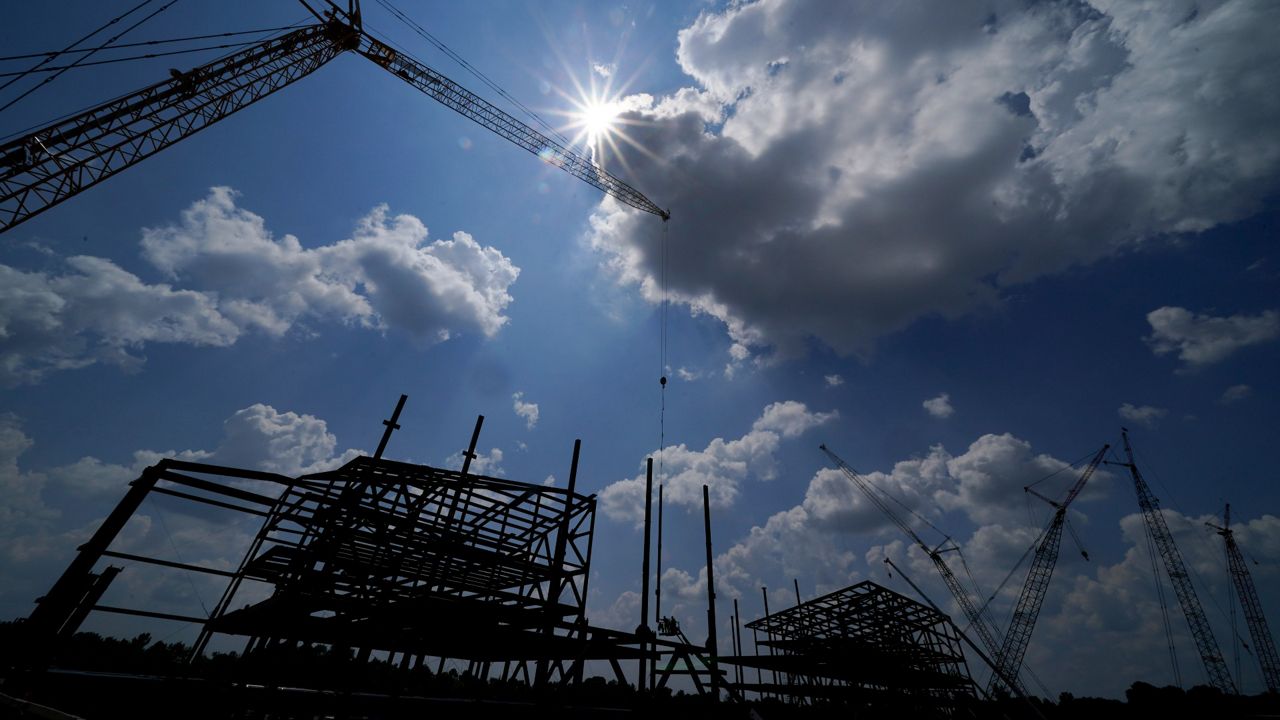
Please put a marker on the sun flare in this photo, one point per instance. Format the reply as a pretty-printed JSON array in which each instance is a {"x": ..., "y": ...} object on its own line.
[{"x": 597, "y": 119}]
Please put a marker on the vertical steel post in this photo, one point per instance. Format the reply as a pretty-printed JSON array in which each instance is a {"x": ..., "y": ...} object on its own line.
[
  {"x": 764, "y": 592},
  {"x": 392, "y": 425},
  {"x": 712, "y": 650},
  {"x": 557, "y": 561},
  {"x": 657, "y": 593},
  {"x": 470, "y": 454},
  {"x": 643, "y": 629},
  {"x": 737, "y": 639}
]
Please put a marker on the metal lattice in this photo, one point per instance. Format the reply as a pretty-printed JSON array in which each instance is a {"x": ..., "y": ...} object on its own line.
[
  {"x": 41, "y": 169},
  {"x": 862, "y": 641}
]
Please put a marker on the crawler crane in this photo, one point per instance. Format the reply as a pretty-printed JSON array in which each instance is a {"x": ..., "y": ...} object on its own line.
[{"x": 1264, "y": 646}]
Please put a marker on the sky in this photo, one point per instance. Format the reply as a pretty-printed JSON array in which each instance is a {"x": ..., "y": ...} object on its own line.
[{"x": 962, "y": 244}]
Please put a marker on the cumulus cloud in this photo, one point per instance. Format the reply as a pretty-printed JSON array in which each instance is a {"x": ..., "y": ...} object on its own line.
[
  {"x": 35, "y": 537},
  {"x": 1201, "y": 340},
  {"x": 721, "y": 466},
  {"x": 939, "y": 407},
  {"x": 489, "y": 463},
  {"x": 94, "y": 311},
  {"x": 237, "y": 277},
  {"x": 1090, "y": 605},
  {"x": 849, "y": 168},
  {"x": 526, "y": 410},
  {"x": 834, "y": 380},
  {"x": 385, "y": 275},
  {"x": 1235, "y": 393},
  {"x": 814, "y": 539},
  {"x": 1141, "y": 414}
]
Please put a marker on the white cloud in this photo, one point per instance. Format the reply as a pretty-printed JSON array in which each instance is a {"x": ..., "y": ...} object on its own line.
[
  {"x": 1090, "y": 605},
  {"x": 239, "y": 278},
  {"x": 814, "y": 539},
  {"x": 834, "y": 380},
  {"x": 96, "y": 312},
  {"x": 1201, "y": 340},
  {"x": 913, "y": 162},
  {"x": 526, "y": 410},
  {"x": 791, "y": 418},
  {"x": 36, "y": 540},
  {"x": 687, "y": 375},
  {"x": 489, "y": 463},
  {"x": 1235, "y": 393},
  {"x": 386, "y": 275},
  {"x": 1141, "y": 414},
  {"x": 604, "y": 70},
  {"x": 940, "y": 406},
  {"x": 721, "y": 466}
]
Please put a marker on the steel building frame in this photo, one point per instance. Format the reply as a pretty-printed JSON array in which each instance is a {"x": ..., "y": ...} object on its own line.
[
  {"x": 380, "y": 556},
  {"x": 862, "y": 643}
]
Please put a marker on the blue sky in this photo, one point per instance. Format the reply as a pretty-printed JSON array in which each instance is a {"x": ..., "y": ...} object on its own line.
[{"x": 1049, "y": 222}]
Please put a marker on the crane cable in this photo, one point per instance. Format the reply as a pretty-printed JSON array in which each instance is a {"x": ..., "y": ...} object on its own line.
[
  {"x": 88, "y": 55},
  {"x": 279, "y": 32},
  {"x": 146, "y": 56},
  {"x": 68, "y": 48},
  {"x": 662, "y": 355},
  {"x": 452, "y": 54},
  {"x": 144, "y": 43}
]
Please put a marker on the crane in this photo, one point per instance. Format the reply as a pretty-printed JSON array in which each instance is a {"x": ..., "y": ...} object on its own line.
[
  {"x": 53, "y": 163},
  {"x": 1264, "y": 647},
  {"x": 986, "y": 632},
  {"x": 1036, "y": 585},
  {"x": 1215, "y": 667}
]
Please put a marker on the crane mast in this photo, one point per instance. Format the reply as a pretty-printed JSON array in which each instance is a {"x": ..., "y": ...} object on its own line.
[
  {"x": 1215, "y": 667},
  {"x": 986, "y": 632},
  {"x": 1036, "y": 585},
  {"x": 51, "y": 164},
  {"x": 1264, "y": 646}
]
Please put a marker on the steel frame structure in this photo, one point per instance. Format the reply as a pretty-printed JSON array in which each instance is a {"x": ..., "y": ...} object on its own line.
[
  {"x": 379, "y": 556},
  {"x": 864, "y": 643}
]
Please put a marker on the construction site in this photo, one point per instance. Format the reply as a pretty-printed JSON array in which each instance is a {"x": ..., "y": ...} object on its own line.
[
  {"x": 369, "y": 577},
  {"x": 387, "y": 588}
]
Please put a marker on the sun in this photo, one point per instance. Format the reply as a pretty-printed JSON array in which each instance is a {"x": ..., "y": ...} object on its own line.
[{"x": 597, "y": 119}]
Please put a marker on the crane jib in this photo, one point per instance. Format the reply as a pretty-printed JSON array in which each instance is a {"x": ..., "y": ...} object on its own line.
[{"x": 52, "y": 164}]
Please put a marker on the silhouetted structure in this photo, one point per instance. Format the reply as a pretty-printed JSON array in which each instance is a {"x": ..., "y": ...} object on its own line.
[
  {"x": 378, "y": 555},
  {"x": 864, "y": 645}
]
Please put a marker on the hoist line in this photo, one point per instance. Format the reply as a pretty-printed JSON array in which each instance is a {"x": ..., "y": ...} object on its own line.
[
  {"x": 68, "y": 48},
  {"x": 144, "y": 43},
  {"x": 662, "y": 354},
  {"x": 88, "y": 55},
  {"x": 146, "y": 56},
  {"x": 82, "y": 110},
  {"x": 448, "y": 51}
]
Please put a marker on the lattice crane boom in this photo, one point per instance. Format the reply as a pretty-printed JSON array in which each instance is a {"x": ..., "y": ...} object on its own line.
[
  {"x": 1036, "y": 585},
  {"x": 986, "y": 632},
  {"x": 1215, "y": 667},
  {"x": 54, "y": 163},
  {"x": 1264, "y": 646},
  {"x": 475, "y": 108}
]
